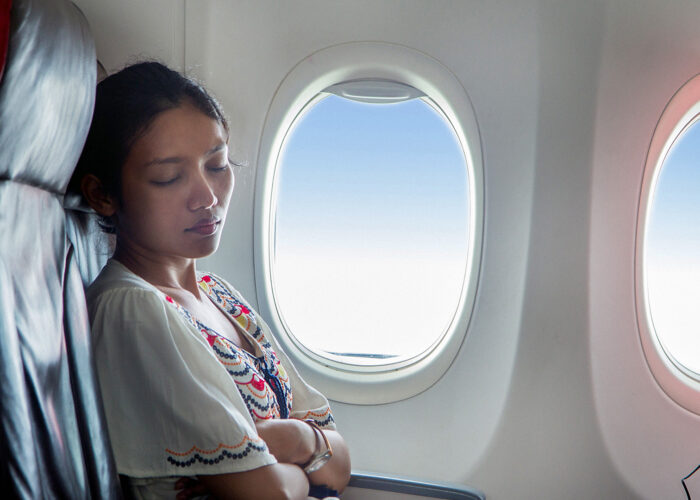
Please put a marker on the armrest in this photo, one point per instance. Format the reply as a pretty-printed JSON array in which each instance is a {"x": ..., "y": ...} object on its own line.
[{"x": 385, "y": 482}]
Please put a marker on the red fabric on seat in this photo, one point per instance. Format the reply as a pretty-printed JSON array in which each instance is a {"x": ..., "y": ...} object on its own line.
[{"x": 5, "y": 6}]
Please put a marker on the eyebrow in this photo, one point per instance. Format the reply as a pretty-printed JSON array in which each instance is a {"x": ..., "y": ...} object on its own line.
[{"x": 179, "y": 159}]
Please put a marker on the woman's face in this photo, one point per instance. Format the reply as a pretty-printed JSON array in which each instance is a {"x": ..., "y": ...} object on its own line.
[{"x": 176, "y": 187}]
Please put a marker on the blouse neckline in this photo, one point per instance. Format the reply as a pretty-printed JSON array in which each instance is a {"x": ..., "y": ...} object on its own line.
[{"x": 200, "y": 275}]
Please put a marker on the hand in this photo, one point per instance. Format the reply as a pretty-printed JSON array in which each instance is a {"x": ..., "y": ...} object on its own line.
[{"x": 191, "y": 487}]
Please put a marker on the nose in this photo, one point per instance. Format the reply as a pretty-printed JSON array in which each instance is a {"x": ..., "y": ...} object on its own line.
[{"x": 202, "y": 194}]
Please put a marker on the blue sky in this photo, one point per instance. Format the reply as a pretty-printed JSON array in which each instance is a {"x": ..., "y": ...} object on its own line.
[
  {"x": 372, "y": 198},
  {"x": 371, "y": 167},
  {"x": 675, "y": 218}
]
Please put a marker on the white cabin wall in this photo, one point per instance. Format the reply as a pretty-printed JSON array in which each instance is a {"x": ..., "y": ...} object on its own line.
[
  {"x": 550, "y": 395},
  {"x": 127, "y": 31},
  {"x": 548, "y": 444},
  {"x": 650, "y": 50}
]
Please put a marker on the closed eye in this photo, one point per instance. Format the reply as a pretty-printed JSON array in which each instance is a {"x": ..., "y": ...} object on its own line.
[
  {"x": 220, "y": 169},
  {"x": 165, "y": 183}
]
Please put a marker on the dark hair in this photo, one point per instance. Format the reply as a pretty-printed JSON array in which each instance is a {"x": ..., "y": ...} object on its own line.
[{"x": 126, "y": 103}]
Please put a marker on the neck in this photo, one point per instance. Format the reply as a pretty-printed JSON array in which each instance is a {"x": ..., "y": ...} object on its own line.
[{"x": 162, "y": 271}]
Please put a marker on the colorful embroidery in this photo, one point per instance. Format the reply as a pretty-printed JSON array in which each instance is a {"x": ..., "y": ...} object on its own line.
[
  {"x": 322, "y": 418},
  {"x": 195, "y": 454},
  {"x": 262, "y": 381}
]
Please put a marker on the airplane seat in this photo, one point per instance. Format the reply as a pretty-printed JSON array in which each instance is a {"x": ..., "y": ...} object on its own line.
[
  {"x": 53, "y": 437},
  {"x": 91, "y": 246},
  {"x": 4, "y": 32}
]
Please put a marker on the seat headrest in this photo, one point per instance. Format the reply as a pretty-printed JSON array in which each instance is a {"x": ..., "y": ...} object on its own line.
[
  {"x": 4, "y": 31},
  {"x": 46, "y": 94}
]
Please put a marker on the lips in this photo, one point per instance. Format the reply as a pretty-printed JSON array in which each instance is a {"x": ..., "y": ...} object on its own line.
[{"x": 205, "y": 226}]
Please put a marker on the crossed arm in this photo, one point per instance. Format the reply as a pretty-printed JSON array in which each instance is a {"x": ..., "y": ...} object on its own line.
[{"x": 293, "y": 443}]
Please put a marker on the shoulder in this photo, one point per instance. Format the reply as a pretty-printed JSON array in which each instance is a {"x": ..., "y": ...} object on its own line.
[
  {"x": 118, "y": 296},
  {"x": 116, "y": 276}
]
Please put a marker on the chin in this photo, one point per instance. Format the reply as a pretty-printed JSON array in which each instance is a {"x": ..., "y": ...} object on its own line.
[{"x": 205, "y": 249}]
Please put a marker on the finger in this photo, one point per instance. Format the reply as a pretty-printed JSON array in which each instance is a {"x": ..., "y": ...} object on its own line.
[
  {"x": 198, "y": 489},
  {"x": 185, "y": 482}
]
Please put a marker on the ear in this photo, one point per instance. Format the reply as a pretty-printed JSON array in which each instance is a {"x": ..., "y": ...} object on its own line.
[{"x": 96, "y": 196}]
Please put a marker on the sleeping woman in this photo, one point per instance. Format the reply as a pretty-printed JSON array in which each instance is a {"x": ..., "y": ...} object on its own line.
[{"x": 194, "y": 384}]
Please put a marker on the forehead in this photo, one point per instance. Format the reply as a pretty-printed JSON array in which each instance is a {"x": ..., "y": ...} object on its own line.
[{"x": 183, "y": 131}]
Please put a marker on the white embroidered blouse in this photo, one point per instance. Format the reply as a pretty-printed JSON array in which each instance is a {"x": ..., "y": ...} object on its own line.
[{"x": 179, "y": 399}]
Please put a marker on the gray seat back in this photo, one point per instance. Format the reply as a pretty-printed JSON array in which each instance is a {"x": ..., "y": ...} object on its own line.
[{"x": 53, "y": 438}]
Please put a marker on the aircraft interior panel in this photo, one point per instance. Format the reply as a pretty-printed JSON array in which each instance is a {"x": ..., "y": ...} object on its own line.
[{"x": 546, "y": 391}]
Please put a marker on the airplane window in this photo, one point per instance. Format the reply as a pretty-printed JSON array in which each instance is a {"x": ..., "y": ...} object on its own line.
[
  {"x": 370, "y": 216},
  {"x": 672, "y": 251}
]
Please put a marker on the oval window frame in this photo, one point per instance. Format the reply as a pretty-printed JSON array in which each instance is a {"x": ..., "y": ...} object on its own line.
[
  {"x": 681, "y": 112},
  {"x": 299, "y": 88}
]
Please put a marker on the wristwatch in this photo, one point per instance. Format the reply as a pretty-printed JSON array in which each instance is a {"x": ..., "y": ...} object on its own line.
[{"x": 321, "y": 457}]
